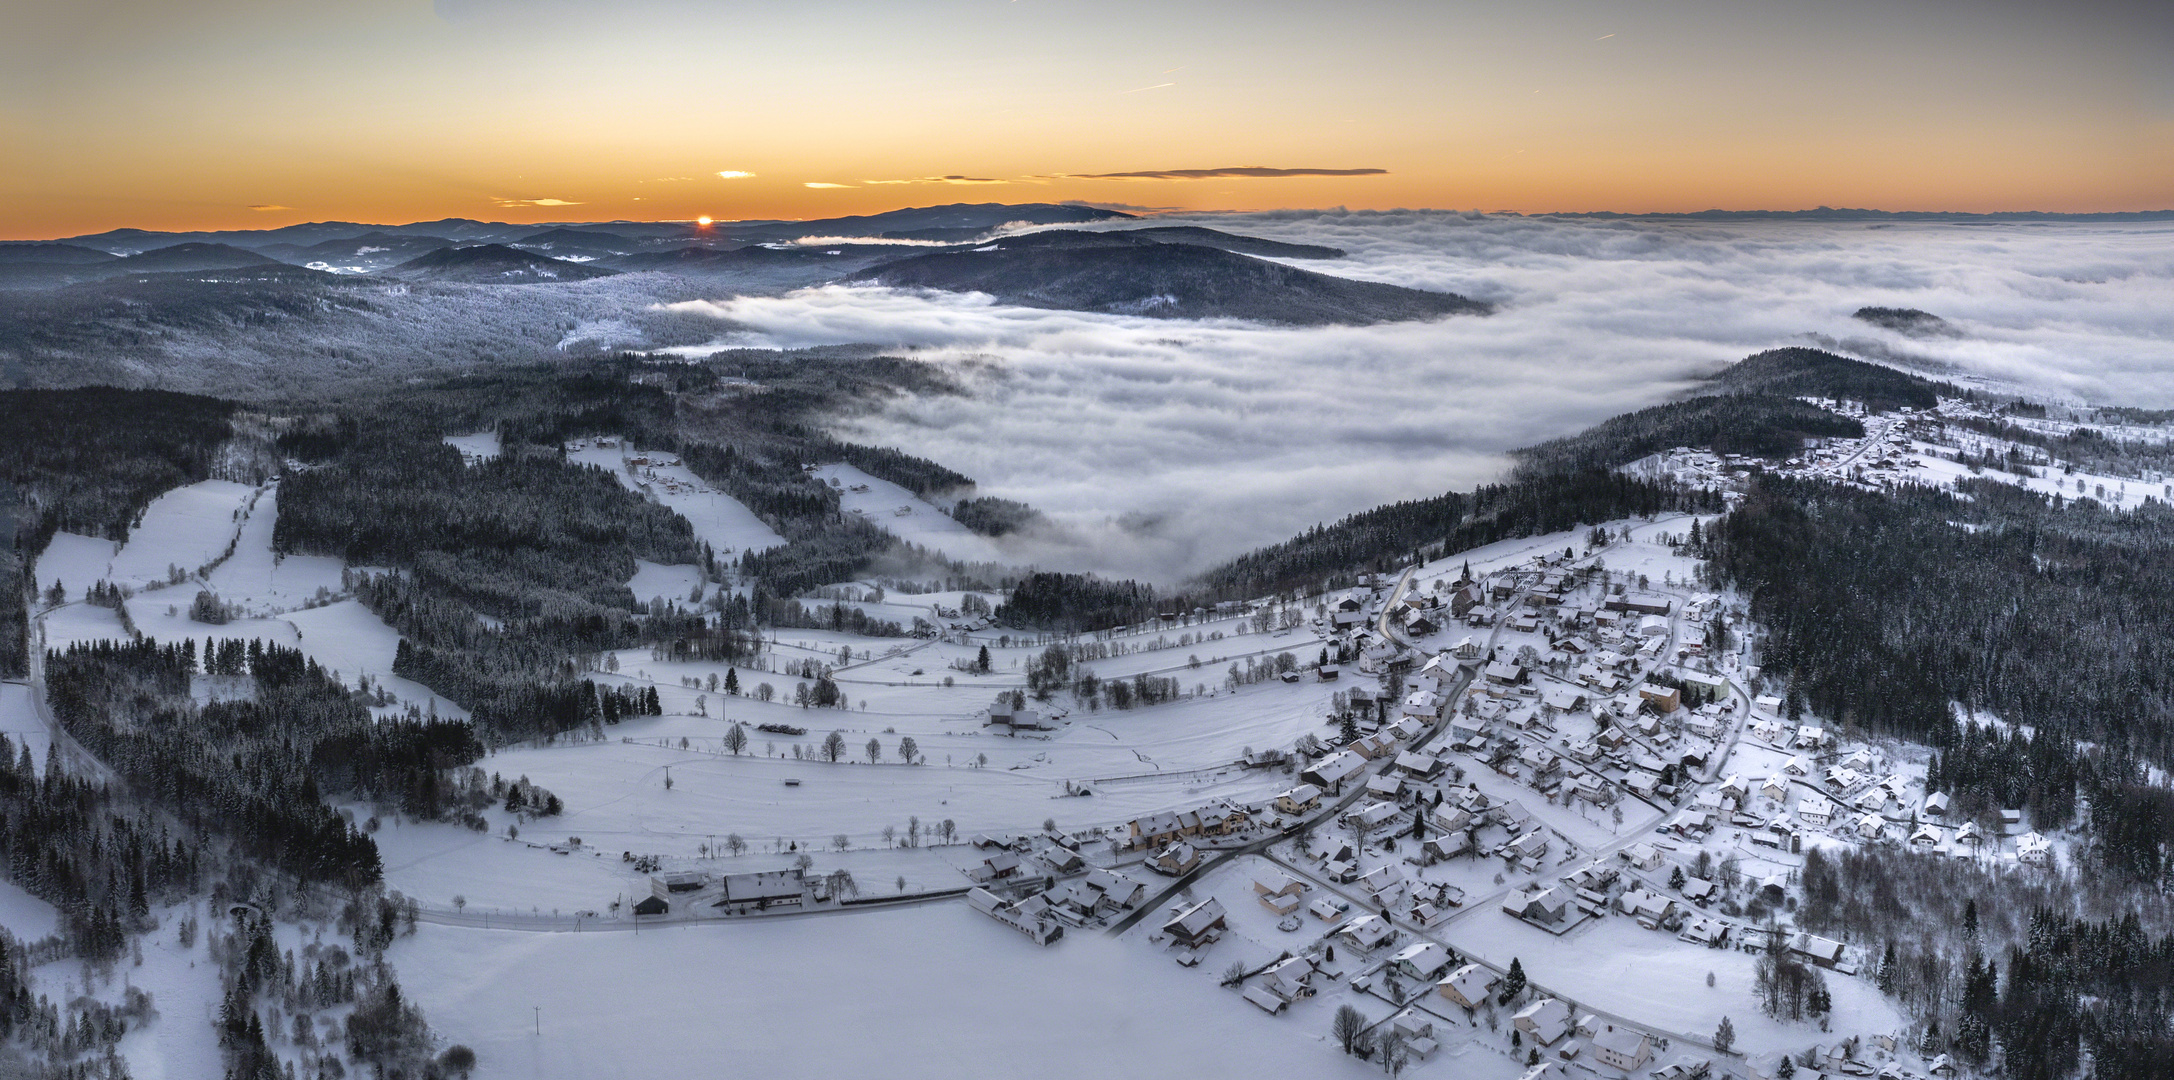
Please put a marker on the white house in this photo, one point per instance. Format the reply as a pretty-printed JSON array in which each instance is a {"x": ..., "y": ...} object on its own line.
[
  {"x": 1816, "y": 809},
  {"x": 1423, "y": 960},
  {"x": 1621, "y": 1048},
  {"x": 1468, "y": 985},
  {"x": 1544, "y": 1021}
]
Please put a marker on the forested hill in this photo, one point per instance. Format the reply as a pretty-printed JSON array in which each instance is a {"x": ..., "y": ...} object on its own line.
[
  {"x": 1752, "y": 407},
  {"x": 1802, "y": 372},
  {"x": 1400, "y": 533},
  {"x": 1126, "y": 276}
]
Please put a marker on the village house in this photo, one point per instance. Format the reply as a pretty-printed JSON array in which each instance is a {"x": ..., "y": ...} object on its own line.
[
  {"x": 1444, "y": 846},
  {"x": 2033, "y": 849},
  {"x": 1372, "y": 816},
  {"x": 1281, "y": 983},
  {"x": 1382, "y": 879},
  {"x": 1422, "y": 766},
  {"x": 1663, "y": 698},
  {"x": 1385, "y": 785},
  {"x": 1196, "y": 924},
  {"x": 1367, "y": 932},
  {"x": 1422, "y": 960},
  {"x": 1156, "y": 830},
  {"x": 1469, "y": 985},
  {"x": 1936, "y": 804},
  {"x": 1815, "y": 809},
  {"x": 1026, "y": 916},
  {"x": 1504, "y": 673},
  {"x": 1279, "y": 892},
  {"x": 1649, "y": 909},
  {"x": 1621, "y": 1048},
  {"x": 1546, "y": 906},
  {"x": 1176, "y": 860},
  {"x": 1303, "y": 799},
  {"x": 1821, "y": 951},
  {"x": 1543, "y": 1022}
]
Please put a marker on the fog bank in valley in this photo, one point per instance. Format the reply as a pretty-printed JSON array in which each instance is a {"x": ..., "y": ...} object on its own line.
[{"x": 1161, "y": 447}]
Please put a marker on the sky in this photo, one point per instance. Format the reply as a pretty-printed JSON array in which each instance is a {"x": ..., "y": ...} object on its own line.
[{"x": 257, "y": 113}]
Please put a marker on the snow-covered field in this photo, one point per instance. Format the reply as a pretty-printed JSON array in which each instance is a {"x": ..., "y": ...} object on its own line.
[
  {"x": 930, "y": 991},
  {"x": 75, "y": 562},
  {"x": 20, "y": 723},
  {"x": 481, "y": 446},
  {"x": 673, "y": 584},
  {"x": 720, "y": 520},
  {"x": 26, "y": 916},
  {"x": 187, "y": 527},
  {"x": 264, "y": 583},
  {"x": 921, "y": 524}
]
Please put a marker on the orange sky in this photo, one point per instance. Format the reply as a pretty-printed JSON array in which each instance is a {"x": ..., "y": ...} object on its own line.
[{"x": 258, "y": 113}]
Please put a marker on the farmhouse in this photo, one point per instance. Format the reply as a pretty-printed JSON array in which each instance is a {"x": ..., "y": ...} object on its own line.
[
  {"x": 1330, "y": 772},
  {"x": 767, "y": 889}
]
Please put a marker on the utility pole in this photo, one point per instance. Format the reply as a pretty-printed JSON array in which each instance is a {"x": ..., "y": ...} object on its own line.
[{"x": 539, "y": 1019}]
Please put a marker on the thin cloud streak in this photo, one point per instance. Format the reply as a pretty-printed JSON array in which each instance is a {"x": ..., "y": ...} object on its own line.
[{"x": 1247, "y": 172}]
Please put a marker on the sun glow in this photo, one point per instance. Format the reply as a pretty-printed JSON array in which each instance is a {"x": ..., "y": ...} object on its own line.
[{"x": 703, "y": 221}]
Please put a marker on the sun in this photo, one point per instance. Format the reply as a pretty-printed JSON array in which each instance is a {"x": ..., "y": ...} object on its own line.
[{"x": 703, "y": 221}]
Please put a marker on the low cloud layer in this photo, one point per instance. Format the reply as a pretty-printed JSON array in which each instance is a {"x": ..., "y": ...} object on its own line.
[{"x": 1163, "y": 447}]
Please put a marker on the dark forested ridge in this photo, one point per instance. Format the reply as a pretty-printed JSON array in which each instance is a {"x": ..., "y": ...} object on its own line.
[
  {"x": 1751, "y": 424},
  {"x": 1801, "y": 372},
  {"x": 1389, "y": 536}
]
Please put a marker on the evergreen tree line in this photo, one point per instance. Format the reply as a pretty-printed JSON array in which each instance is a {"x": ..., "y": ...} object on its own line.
[
  {"x": 2057, "y": 615},
  {"x": 256, "y": 770},
  {"x": 1943, "y": 931}
]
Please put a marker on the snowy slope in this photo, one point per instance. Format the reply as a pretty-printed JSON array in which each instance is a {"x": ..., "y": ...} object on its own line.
[{"x": 922, "y": 524}]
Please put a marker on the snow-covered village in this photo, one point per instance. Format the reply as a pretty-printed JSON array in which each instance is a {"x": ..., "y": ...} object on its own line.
[{"x": 1536, "y": 808}]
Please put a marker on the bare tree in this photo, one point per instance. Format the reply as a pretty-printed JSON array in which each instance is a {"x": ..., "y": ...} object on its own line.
[
  {"x": 734, "y": 844},
  {"x": 875, "y": 751},
  {"x": 735, "y": 739},
  {"x": 834, "y": 746},
  {"x": 841, "y": 842},
  {"x": 1349, "y": 1029},
  {"x": 908, "y": 749}
]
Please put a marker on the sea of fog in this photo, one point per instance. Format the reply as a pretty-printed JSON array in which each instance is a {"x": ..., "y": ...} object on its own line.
[{"x": 1162, "y": 447}]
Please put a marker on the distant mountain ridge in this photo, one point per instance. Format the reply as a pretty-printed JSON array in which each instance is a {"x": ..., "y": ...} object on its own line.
[
  {"x": 492, "y": 264},
  {"x": 1121, "y": 273}
]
